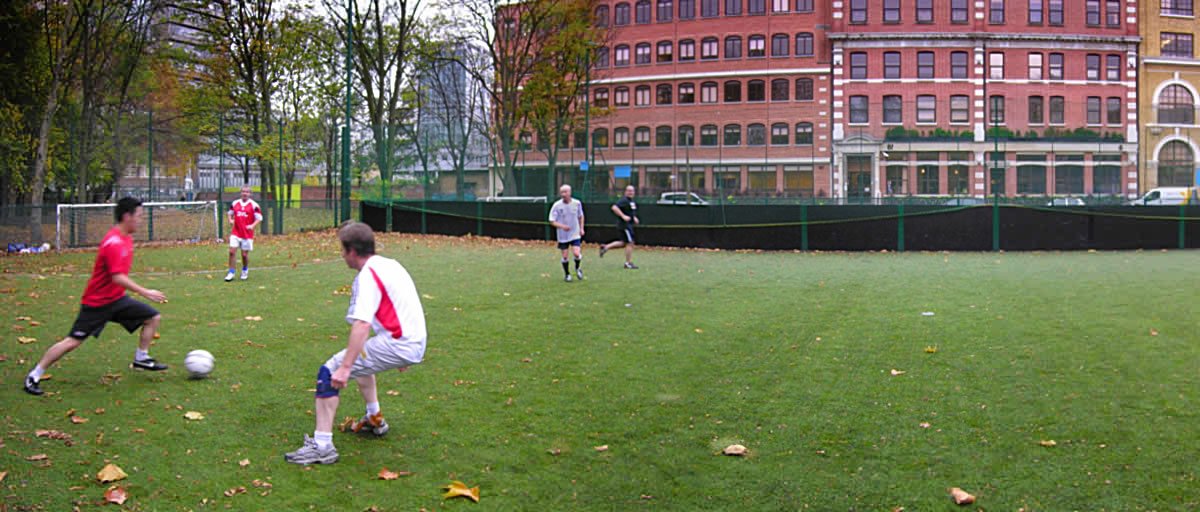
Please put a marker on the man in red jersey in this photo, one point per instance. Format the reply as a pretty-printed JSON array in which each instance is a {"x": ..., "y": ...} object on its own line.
[
  {"x": 244, "y": 215},
  {"x": 104, "y": 299}
]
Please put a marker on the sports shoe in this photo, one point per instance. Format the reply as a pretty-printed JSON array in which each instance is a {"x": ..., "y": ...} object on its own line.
[
  {"x": 229, "y": 276},
  {"x": 579, "y": 274},
  {"x": 311, "y": 454},
  {"x": 603, "y": 250},
  {"x": 567, "y": 278},
  {"x": 370, "y": 424},
  {"x": 31, "y": 386},
  {"x": 245, "y": 274},
  {"x": 148, "y": 364},
  {"x": 630, "y": 266}
]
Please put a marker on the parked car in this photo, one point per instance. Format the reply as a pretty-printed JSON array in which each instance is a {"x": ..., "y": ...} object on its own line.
[
  {"x": 965, "y": 201},
  {"x": 681, "y": 198},
  {"x": 1167, "y": 196},
  {"x": 1066, "y": 201}
]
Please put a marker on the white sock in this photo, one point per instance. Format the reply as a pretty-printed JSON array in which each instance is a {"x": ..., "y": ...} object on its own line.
[
  {"x": 36, "y": 373},
  {"x": 324, "y": 439},
  {"x": 141, "y": 355},
  {"x": 372, "y": 408}
]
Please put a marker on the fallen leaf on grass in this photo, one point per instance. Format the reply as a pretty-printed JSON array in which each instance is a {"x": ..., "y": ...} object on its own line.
[
  {"x": 896, "y": 372},
  {"x": 229, "y": 493},
  {"x": 1048, "y": 443},
  {"x": 25, "y": 340},
  {"x": 931, "y": 349},
  {"x": 924, "y": 424},
  {"x": 99, "y": 410},
  {"x": 24, "y": 318},
  {"x": 458, "y": 489},
  {"x": 734, "y": 450},
  {"x": 699, "y": 331},
  {"x": 386, "y": 474},
  {"x": 116, "y": 495},
  {"x": 526, "y": 360},
  {"x": 554, "y": 451},
  {"x": 254, "y": 318},
  {"x": 1154, "y": 332},
  {"x": 602, "y": 448},
  {"x": 193, "y": 415},
  {"x": 110, "y": 473},
  {"x": 244, "y": 462},
  {"x": 261, "y": 484},
  {"x": 35, "y": 458},
  {"x": 78, "y": 420},
  {"x": 346, "y": 424},
  {"x": 157, "y": 336},
  {"x": 647, "y": 497},
  {"x": 961, "y": 497},
  {"x": 34, "y": 323},
  {"x": 2, "y": 475},
  {"x": 392, "y": 392},
  {"x": 56, "y": 435}
]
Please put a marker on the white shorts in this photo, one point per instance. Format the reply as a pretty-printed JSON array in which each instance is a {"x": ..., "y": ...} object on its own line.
[
  {"x": 379, "y": 354},
  {"x": 245, "y": 244}
]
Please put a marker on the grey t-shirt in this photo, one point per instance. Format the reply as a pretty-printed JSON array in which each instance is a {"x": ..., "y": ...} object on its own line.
[{"x": 570, "y": 215}]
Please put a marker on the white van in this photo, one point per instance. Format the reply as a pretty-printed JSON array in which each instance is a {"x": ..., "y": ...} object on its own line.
[{"x": 1168, "y": 196}]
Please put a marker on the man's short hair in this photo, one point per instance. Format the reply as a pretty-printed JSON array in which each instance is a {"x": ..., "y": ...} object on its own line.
[
  {"x": 357, "y": 237},
  {"x": 125, "y": 205}
]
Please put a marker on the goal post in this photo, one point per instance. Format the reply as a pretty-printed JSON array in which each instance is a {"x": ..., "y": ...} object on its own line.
[{"x": 82, "y": 225}]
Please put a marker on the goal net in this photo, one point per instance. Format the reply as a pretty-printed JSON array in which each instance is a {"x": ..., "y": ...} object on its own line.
[{"x": 82, "y": 225}]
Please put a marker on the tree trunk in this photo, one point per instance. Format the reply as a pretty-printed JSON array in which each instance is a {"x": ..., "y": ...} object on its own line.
[{"x": 38, "y": 191}]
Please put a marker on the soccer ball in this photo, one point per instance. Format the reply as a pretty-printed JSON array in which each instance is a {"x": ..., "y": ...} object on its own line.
[{"x": 199, "y": 363}]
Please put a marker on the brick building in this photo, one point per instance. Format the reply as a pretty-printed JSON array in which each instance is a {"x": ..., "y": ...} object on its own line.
[{"x": 1170, "y": 104}]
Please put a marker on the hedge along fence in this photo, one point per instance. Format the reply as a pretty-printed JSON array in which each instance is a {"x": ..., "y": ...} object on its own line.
[{"x": 828, "y": 228}]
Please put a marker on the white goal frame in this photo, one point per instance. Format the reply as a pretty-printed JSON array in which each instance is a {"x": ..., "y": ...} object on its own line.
[{"x": 58, "y": 214}]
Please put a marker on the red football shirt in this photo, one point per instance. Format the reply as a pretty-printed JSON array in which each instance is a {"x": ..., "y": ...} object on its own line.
[
  {"x": 114, "y": 257},
  {"x": 244, "y": 214}
]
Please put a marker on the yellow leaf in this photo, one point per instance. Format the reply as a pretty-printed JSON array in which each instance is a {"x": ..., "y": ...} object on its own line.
[
  {"x": 234, "y": 491},
  {"x": 1048, "y": 443},
  {"x": 193, "y": 415},
  {"x": 734, "y": 450},
  {"x": 924, "y": 424},
  {"x": 2, "y": 475},
  {"x": 602, "y": 448},
  {"x": 931, "y": 349},
  {"x": 116, "y": 495},
  {"x": 459, "y": 489},
  {"x": 699, "y": 331},
  {"x": 25, "y": 340},
  {"x": 35, "y": 458},
  {"x": 386, "y": 474},
  {"x": 961, "y": 497},
  {"x": 34, "y": 323},
  {"x": 244, "y": 462},
  {"x": 110, "y": 473},
  {"x": 1154, "y": 332},
  {"x": 896, "y": 372},
  {"x": 78, "y": 419}
]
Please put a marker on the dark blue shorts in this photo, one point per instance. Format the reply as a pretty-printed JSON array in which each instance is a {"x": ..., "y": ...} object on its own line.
[{"x": 562, "y": 246}]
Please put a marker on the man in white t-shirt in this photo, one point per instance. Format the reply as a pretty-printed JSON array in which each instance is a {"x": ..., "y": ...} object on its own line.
[
  {"x": 567, "y": 218},
  {"x": 385, "y": 301}
]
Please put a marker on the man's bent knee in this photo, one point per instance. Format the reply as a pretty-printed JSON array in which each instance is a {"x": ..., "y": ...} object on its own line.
[
  {"x": 325, "y": 387},
  {"x": 152, "y": 321}
]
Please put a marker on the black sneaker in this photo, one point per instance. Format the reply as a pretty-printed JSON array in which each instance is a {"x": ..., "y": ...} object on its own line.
[
  {"x": 148, "y": 364},
  {"x": 603, "y": 250},
  {"x": 31, "y": 387},
  {"x": 631, "y": 266}
]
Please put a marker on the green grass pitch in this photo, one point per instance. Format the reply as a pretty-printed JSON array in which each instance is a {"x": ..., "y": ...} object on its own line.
[{"x": 788, "y": 354}]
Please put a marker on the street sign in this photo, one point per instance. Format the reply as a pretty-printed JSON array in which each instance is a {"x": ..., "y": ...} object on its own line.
[
  {"x": 583, "y": 166},
  {"x": 622, "y": 171}
]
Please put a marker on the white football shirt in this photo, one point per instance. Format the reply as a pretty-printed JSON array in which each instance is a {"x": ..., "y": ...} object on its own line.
[{"x": 384, "y": 295}]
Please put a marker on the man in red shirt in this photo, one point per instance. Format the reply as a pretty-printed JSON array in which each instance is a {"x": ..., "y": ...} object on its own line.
[
  {"x": 104, "y": 299},
  {"x": 244, "y": 215}
]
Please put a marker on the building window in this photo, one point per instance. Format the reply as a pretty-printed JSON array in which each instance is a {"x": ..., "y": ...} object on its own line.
[
  {"x": 708, "y": 135},
  {"x": 891, "y": 11},
  {"x": 1176, "y": 45},
  {"x": 687, "y": 136},
  {"x": 996, "y": 12},
  {"x": 641, "y": 137},
  {"x": 642, "y": 11},
  {"x": 756, "y": 90},
  {"x": 858, "y": 110},
  {"x": 779, "y": 89},
  {"x": 621, "y": 14},
  {"x": 960, "y": 109},
  {"x": 997, "y": 110},
  {"x": 925, "y": 65},
  {"x": 779, "y": 5},
  {"x": 733, "y": 7},
  {"x": 1177, "y": 8},
  {"x": 958, "y": 11},
  {"x": 665, "y": 51},
  {"x": 1035, "y": 12},
  {"x": 621, "y": 96},
  {"x": 602, "y": 57},
  {"x": 665, "y": 10},
  {"x": 733, "y": 135},
  {"x": 641, "y": 96},
  {"x": 708, "y": 92},
  {"x": 600, "y": 138},
  {"x": 804, "y": 134},
  {"x": 756, "y": 46},
  {"x": 1175, "y": 163},
  {"x": 662, "y": 137},
  {"x": 1037, "y": 110},
  {"x": 1031, "y": 177},
  {"x": 1093, "y": 66},
  {"x": 1112, "y": 13},
  {"x": 733, "y": 47},
  {"x": 1056, "y": 12},
  {"x": 1093, "y": 110},
  {"x": 621, "y": 138},
  {"x": 858, "y": 65},
  {"x": 642, "y": 53},
  {"x": 779, "y": 134},
  {"x": 600, "y": 98},
  {"x": 687, "y": 50},
  {"x": 601, "y": 16},
  {"x": 708, "y": 48},
  {"x": 708, "y": 8},
  {"x": 622, "y": 55},
  {"x": 1057, "y": 110},
  {"x": 926, "y": 109},
  {"x": 779, "y": 45},
  {"x": 1056, "y": 66},
  {"x": 804, "y": 5},
  {"x": 1112, "y": 68},
  {"x": 1035, "y": 66},
  {"x": 1068, "y": 179},
  {"x": 804, "y": 89},
  {"x": 687, "y": 93},
  {"x": 924, "y": 11},
  {"x": 927, "y": 179},
  {"x": 996, "y": 66},
  {"x": 1106, "y": 174},
  {"x": 959, "y": 178},
  {"x": 1092, "y": 10},
  {"x": 756, "y": 135},
  {"x": 858, "y": 11},
  {"x": 1176, "y": 105},
  {"x": 687, "y": 9},
  {"x": 662, "y": 94},
  {"x": 891, "y": 65},
  {"x": 804, "y": 44},
  {"x": 958, "y": 64},
  {"x": 756, "y": 7},
  {"x": 1112, "y": 108},
  {"x": 893, "y": 110},
  {"x": 733, "y": 91}
]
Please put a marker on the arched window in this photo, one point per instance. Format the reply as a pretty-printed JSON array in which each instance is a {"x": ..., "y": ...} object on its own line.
[
  {"x": 756, "y": 90},
  {"x": 804, "y": 89},
  {"x": 687, "y": 9},
  {"x": 1176, "y": 105},
  {"x": 665, "y": 8},
  {"x": 708, "y": 135},
  {"x": 708, "y": 92},
  {"x": 708, "y": 48},
  {"x": 600, "y": 137},
  {"x": 733, "y": 135},
  {"x": 779, "y": 134},
  {"x": 600, "y": 97},
  {"x": 779, "y": 89},
  {"x": 641, "y": 96},
  {"x": 621, "y": 138},
  {"x": 779, "y": 45},
  {"x": 733, "y": 7},
  {"x": 602, "y": 57},
  {"x": 1175, "y": 164},
  {"x": 641, "y": 137},
  {"x": 621, "y": 14},
  {"x": 601, "y": 16},
  {"x": 687, "y": 93},
  {"x": 733, "y": 47},
  {"x": 643, "y": 11},
  {"x": 621, "y": 55},
  {"x": 666, "y": 51},
  {"x": 804, "y": 135},
  {"x": 641, "y": 54},
  {"x": 621, "y": 96},
  {"x": 662, "y": 137},
  {"x": 662, "y": 94},
  {"x": 756, "y": 46},
  {"x": 687, "y": 136},
  {"x": 756, "y": 134},
  {"x": 733, "y": 91},
  {"x": 804, "y": 44}
]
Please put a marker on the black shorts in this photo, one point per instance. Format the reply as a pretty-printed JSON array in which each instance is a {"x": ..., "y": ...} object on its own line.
[
  {"x": 562, "y": 246},
  {"x": 626, "y": 233},
  {"x": 130, "y": 313}
]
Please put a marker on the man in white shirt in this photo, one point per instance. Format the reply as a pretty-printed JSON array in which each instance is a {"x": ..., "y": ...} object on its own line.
[
  {"x": 567, "y": 218},
  {"x": 384, "y": 300}
]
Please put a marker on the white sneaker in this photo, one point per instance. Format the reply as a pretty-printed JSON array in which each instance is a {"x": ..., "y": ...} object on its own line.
[
  {"x": 229, "y": 276},
  {"x": 245, "y": 274}
]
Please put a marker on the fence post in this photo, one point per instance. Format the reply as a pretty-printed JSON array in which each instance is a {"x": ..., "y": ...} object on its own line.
[
  {"x": 150, "y": 171},
  {"x": 900, "y": 228},
  {"x": 996, "y": 225},
  {"x": 478, "y": 218},
  {"x": 803, "y": 227},
  {"x": 1182, "y": 229}
]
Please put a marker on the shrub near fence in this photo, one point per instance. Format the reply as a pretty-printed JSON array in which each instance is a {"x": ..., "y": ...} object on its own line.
[{"x": 831, "y": 227}]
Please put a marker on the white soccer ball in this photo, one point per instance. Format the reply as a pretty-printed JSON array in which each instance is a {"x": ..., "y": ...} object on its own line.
[{"x": 199, "y": 363}]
